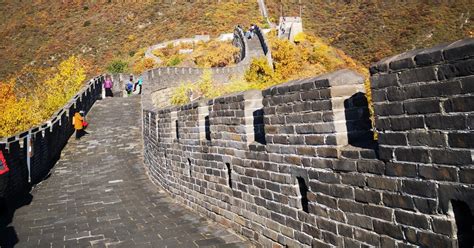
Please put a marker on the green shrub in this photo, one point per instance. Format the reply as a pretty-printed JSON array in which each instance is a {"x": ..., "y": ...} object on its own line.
[{"x": 117, "y": 66}]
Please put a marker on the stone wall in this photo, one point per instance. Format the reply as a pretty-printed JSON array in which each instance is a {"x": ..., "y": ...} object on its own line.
[
  {"x": 47, "y": 141},
  {"x": 160, "y": 81},
  {"x": 294, "y": 165}
]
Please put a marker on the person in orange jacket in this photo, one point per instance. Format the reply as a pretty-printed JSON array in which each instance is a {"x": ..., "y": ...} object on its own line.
[{"x": 78, "y": 125}]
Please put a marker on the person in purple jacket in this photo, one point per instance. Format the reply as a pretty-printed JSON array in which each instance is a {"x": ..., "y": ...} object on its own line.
[{"x": 108, "y": 85}]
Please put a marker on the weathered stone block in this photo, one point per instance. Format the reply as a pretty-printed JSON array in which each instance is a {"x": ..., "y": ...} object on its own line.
[
  {"x": 383, "y": 80},
  {"x": 398, "y": 201},
  {"x": 439, "y": 173},
  {"x": 388, "y": 228},
  {"x": 451, "y": 157},
  {"x": 459, "y": 104},
  {"x": 419, "y": 188},
  {"x": 412, "y": 155},
  {"x": 411, "y": 219},
  {"x": 425, "y": 74}
]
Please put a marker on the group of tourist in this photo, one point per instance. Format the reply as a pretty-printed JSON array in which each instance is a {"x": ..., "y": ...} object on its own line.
[
  {"x": 79, "y": 122},
  {"x": 250, "y": 33}
]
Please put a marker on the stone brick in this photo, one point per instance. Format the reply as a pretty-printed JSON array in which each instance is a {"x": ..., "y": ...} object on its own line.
[
  {"x": 345, "y": 165},
  {"x": 420, "y": 188},
  {"x": 378, "y": 212},
  {"x": 349, "y": 206},
  {"x": 453, "y": 70},
  {"x": 332, "y": 238},
  {"x": 422, "y": 106},
  {"x": 426, "y": 206},
  {"x": 412, "y": 155},
  {"x": 466, "y": 175},
  {"x": 371, "y": 166},
  {"x": 311, "y": 231},
  {"x": 446, "y": 122},
  {"x": 383, "y": 80},
  {"x": 406, "y": 123},
  {"x": 342, "y": 191},
  {"x": 401, "y": 170},
  {"x": 403, "y": 63},
  {"x": 388, "y": 109},
  {"x": 327, "y": 225},
  {"x": 439, "y": 89},
  {"x": 398, "y": 139},
  {"x": 439, "y": 173},
  {"x": 345, "y": 230},
  {"x": 425, "y": 74},
  {"x": 403, "y": 93},
  {"x": 326, "y": 201},
  {"x": 451, "y": 157},
  {"x": 411, "y": 219},
  {"x": 359, "y": 221},
  {"x": 459, "y": 50},
  {"x": 367, "y": 237},
  {"x": 432, "y": 139},
  {"x": 367, "y": 196},
  {"x": 398, "y": 201},
  {"x": 353, "y": 179},
  {"x": 430, "y": 56},
  {"x": 459, "y": 104},
  {"x": 426, "y": 239},
  {"x": 382, "y": 183},
  {"x": 387, "y": 242},
  {"x": 388, "y": 229},
  {"x": 443, "y": 226},
  {"x": 326, "y": 152},
  {"x": 461, "y": 140}
]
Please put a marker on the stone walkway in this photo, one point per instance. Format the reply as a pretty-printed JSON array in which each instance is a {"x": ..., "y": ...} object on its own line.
[{"x": 99, "y": 195}]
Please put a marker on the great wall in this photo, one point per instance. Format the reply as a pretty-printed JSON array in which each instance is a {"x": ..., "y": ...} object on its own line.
[{"x": 295, "y": 165}]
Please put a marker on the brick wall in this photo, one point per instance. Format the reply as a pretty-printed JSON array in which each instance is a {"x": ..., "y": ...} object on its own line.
[
  {"x": 294, "y": 164},
  {"x": 48, "y": 139}
]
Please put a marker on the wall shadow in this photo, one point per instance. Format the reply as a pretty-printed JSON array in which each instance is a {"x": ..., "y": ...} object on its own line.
[
  {"x": 358, "y": 124},
  {"x": 259, "y": 126},
  {"x": 8, "y": 235}
]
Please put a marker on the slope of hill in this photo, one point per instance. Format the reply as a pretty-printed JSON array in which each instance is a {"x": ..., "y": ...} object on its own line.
[
  {"x": 369, "y": 30},
  {"x": 42, "y": 33}
]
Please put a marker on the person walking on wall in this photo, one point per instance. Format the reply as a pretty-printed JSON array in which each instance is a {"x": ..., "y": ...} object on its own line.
[
  {"x": 78, "y": 122},
  {"x": 139, "y": 85},
  {"x": 108, "y": 85}
]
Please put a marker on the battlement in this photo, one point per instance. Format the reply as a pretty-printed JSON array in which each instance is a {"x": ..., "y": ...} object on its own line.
[{"x": 295, "y": 164}]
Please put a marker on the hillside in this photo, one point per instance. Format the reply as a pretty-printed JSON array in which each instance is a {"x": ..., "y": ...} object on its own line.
[
  {"x": 43, "y": 33},
  {"x": 371, "y": 30}
]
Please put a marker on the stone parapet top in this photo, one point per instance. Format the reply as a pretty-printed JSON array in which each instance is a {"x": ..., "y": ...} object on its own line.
[{"x": 449, "y": 52}]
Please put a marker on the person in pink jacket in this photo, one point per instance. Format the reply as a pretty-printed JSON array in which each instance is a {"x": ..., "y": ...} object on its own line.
[{"x": 108, "y": 85}]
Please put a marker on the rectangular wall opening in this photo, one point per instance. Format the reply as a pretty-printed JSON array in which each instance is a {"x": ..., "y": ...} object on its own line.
[
  {"x": 304, "y": 193},
  {"x": 177, "y": 129},
  {"x": 259, "y": 126},
  {"x": 464, "y": 224},
  {"x": 189, "y": 167},
  {"x": 207, "y": 127},
  {"x": 229, "y": 174}
]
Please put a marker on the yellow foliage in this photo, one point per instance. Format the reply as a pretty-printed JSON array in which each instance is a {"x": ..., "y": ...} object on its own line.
[
  {"x": 21, "y": 113},
  {"x": 214, "y": 54},
  {"x": 181, "y": 94},
  {"x": 143, "y": 65},
  {"x": 260, "y": 74},
  {"x": 63, "y": 85},
  {"x": 204, "y": 54}
]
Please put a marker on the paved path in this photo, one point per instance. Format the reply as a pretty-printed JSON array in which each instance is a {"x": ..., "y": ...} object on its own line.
[{"x": 99, "y": 194}]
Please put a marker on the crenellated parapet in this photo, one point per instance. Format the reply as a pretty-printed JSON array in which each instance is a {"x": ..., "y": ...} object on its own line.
[{"x": 295, "y": 165}]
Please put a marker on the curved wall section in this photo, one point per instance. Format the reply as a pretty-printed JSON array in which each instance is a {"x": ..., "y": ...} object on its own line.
[{"x": 294, "y": 165}]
